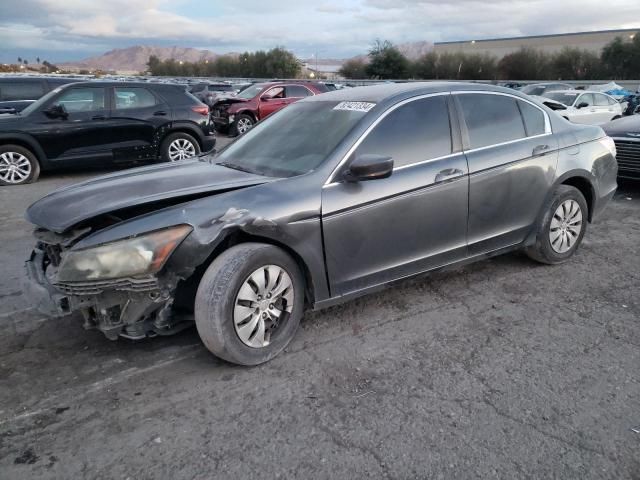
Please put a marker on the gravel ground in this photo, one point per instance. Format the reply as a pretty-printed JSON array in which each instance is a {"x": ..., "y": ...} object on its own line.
[{"x": 501, "y": 369}]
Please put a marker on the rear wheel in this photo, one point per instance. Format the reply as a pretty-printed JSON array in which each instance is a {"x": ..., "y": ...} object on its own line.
[
  {"x": 249, "y": 303},
  {"x": 562, "y": 226},
  {"x": 179, "y": 146},
  {"x": 616, "y": 118},
  {"x": 18, "y": 165}
]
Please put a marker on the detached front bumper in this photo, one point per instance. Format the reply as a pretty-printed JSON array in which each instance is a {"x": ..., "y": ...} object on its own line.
[
  {"x": 46, "y": 299},
  {"x": 128, "y": 307}
]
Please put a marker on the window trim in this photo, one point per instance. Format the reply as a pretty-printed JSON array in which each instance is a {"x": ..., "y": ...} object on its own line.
[
  {"x": 463, "y": 124},
  {"x": 331, "y": 180},
  {"x": 299, "y": 85}
]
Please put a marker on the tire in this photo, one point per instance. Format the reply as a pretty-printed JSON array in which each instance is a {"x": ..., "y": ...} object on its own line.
[
  {"x": 616, "y": 118},
  {"x": 179, "y": 146},
  {"x": 221, "y": 304},
  {"x": 553, "y": 252},
  {"x": 242, "y": 125},
  {"x": 16, "y": 156}
]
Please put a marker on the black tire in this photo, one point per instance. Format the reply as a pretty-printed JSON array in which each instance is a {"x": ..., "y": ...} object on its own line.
[
  {"x": 542, "y": 251},
  {"x": 34, "y": 165},
  {"x": 243, "y": 117},
  {"x": 177, "y": 136},
  {"x": 616, "y": 118},
  {"x": 216, "y": 296}
]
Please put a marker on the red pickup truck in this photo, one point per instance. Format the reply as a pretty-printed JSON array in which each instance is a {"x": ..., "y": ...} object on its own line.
[{"x": 238, "y": 114}]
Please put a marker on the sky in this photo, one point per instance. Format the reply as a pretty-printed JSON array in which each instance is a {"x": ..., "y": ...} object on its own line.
[{"x": 59, "y": 30}]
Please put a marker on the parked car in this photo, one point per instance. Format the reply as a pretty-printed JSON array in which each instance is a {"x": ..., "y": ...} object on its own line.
[
  {"x": 239, "y": 114},
  {"x": 626, "y": 135},
  {"x": 593, "y": 108},
  {"x": 18, "y": 92},
  {"x": 324, "y": 201},
  {"x": 209, "y": 93},
  {"x": 539, "y": 89},
  {"x": 96, "y": 123}
]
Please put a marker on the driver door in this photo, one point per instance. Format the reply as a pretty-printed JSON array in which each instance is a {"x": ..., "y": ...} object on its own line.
[
  {"x": 83, "y": 134},
  {"x": 380, "y": 230},
  {"x": 271, "y": 101},
  {"x": 587, "y": 114}
]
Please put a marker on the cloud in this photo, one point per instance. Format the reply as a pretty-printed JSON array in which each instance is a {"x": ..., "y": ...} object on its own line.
[{"x": 332, "y": 29}]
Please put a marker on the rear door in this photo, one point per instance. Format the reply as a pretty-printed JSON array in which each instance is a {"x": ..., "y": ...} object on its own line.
[
  {"x": 293, "y": 93},
  {"x": 136, "y": 121},
  {"x": 416, "y": 219},
  {"x": 512, "y": 159},
  {"x": 604, "y": 110}
]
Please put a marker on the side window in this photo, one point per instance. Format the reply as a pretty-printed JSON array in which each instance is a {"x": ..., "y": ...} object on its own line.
[
  {"x": 412, "y": 133},
  {"x": 21, "y": 91},
  {"x": 276, "y": 92},
  {"x": 134, "y": 98},
  {"x": 297, "y": 91},
  {"x": 491, "y": 119},
  {"x": 585, "y": 98},
  {"x": 601, "y": 100},
  {"x": 533, "y": 119},
  {"x": 87, "y": 99}
]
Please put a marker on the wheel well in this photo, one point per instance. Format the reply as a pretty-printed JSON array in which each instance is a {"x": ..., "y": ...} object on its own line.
[
  {"x": 23, "y": 144},
  {"x": 188, "y": 131},
  {"x": 249, "y": 113},
  {"x": 186, "y": 290},
  {"x": 585, "y": 188}
]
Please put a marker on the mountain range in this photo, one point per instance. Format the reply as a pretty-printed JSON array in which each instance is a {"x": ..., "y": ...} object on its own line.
[{"x": 134, "y": 59}]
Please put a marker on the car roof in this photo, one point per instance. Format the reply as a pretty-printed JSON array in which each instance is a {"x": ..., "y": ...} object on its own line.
[
  {"x": 389, "y": 91},
  {"x": 115, "y": 83}
]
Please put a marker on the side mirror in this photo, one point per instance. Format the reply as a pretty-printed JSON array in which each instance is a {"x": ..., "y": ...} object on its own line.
[
  {"x": 582, "y": 105},
  {"x": 56, "y": 111},
  {"x": 369, "y": 166}
]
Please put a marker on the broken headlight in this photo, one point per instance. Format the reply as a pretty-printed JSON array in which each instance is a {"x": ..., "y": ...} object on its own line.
[{"x": 123, "y": 258}]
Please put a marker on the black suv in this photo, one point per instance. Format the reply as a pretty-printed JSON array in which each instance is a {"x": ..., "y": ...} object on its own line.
[
  {"x": 17, "y": 93},
  {"x": 93, "y": 123}
]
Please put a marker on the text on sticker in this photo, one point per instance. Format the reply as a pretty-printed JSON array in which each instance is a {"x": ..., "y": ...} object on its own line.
[{"x": 355, "y": 106}]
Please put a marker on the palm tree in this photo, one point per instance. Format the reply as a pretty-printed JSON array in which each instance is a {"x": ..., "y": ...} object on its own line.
[
  {"x": 19, "y": 59},
  {"x": 37, "y": 59}
]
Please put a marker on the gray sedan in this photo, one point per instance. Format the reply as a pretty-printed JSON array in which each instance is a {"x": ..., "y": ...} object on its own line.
[{"x": 329, "y": 199}]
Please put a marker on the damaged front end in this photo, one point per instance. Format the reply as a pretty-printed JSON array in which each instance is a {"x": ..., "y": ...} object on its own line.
[{"x": 118, "y": 287}]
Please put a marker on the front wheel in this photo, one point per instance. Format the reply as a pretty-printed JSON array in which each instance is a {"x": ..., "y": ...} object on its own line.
[
  {"x": 249, "y": 303},
  {"x": 242, "y": 125},
  {"x": 179, "y": 146},
  {"x": 18, "y": 165},
  {"x": 561, "y": 228}
]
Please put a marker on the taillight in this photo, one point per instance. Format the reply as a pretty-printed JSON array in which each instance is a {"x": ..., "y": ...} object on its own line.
[{"x": 201, "y": 109}]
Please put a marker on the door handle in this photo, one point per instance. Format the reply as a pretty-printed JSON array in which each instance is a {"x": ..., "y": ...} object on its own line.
[
  {"x": 160, "y": 113},
  {"x": 98, "y": 117},
  {"x": 448, "y": 174},
  {"x": 540, "y": 150}
]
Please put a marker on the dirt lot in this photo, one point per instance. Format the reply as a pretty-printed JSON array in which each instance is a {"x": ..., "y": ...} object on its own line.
[{"x": 502, "y": 369}]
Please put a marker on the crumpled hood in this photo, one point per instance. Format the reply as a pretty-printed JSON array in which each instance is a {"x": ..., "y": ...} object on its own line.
[{"x": 71, "y": 205}]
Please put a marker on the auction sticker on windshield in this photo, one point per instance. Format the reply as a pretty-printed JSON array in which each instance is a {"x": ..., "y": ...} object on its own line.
[{"x": 355, "y": 106}]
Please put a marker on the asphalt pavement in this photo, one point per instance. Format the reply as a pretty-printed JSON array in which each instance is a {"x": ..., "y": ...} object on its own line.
[{"x": 500, "y": 369}]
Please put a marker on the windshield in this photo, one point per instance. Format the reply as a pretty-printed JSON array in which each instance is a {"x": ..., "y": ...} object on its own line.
[
  {"x": 41, "y": 101},
  {"x": 566, "y": 98},
  {"x": 251, "y": 91},
  {"x": 293, "y": 141}
]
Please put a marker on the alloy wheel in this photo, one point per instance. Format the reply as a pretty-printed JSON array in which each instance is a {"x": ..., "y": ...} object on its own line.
[
  {"x": 244, "y": 125},
  {"x": 262, "y": 304},
  {"x": 181, "y": 149},
  {"x": 566, "y": 226},
  {"x": 14, "y": 167}
]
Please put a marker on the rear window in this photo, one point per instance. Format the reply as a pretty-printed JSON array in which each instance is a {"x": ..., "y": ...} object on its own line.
[
  {"x": 133, "y": 97},
  {"x": 491, "y": 119},
  {"x": 21, "y": 90},
  {"x": 533, "y": 118}
]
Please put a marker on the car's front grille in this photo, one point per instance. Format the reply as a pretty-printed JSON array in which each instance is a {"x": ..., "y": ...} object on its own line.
[
  {"x": 95, "y": 288},
  {"x": 628, "y": 156}
]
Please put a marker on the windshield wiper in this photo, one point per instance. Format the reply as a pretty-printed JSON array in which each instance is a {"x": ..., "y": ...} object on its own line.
[{"x": 237, "y": 167}]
